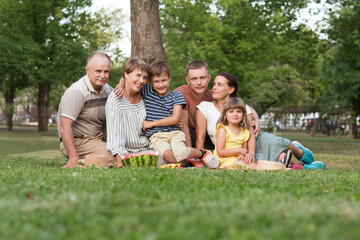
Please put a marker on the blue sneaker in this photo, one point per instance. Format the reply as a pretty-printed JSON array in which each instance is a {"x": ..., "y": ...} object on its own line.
[
  {"x": 315, "y": 165},
  {"x": 308, "y": 155}
]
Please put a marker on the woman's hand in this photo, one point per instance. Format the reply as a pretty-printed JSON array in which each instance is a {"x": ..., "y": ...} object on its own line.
[
  {"x": 240, "y": 158},
  {"x": 146, "y": 125},
  {"x": 119, "y": 161},
  {"x": 249, "y": 158},
  {"x": 254, "y": 121}
]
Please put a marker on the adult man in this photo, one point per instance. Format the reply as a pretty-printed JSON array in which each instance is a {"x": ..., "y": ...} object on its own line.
[
  {"x": 81, "y": 115},
  {"x": 195, "y": 92}
]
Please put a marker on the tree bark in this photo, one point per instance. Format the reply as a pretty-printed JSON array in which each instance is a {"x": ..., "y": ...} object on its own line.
[
  {"x": 146, "y": 40},
  {"x": 353, "y": 133},
  {"x": 354, "y": 126},
  {"x": 9, "y": 105},
  {"x": 43, "y": 107},
  {"x": 315, "y": 126}
]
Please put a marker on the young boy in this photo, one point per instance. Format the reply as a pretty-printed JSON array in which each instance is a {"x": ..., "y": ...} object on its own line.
[{"x": 163, "y": 111}]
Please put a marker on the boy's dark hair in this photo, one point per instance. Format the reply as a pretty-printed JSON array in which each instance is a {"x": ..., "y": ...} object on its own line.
[
  {"x": 197, "y": 64},
  {"x": 159, "y": 68},
  {"x": 133, "y": 63}
]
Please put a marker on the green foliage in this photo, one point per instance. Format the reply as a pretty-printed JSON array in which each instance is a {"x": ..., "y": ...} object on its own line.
[
  {"x": 115, "y": 76},
  {"x": 254, "y": 40},
  {"x": 17, "y": 50},
  {"x": 47, "y": 42},
  {"x": 101, "y": 29},
  {"x": 341, "y": 64},
  {"x": 277, "y": 87},
  {"x": 190, "y": 31},
  {"x": 345, "y": 30},
  {"x": 343, "y": 81}
]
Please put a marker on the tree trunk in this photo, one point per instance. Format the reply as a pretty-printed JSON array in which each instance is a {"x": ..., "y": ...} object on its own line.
[
  {"x": 275, "y": 119},
  {"x": 9, "y": 105},
  {"x": 315, "y": 126},
  {"x": 146, "y": 40},
  {"x": 353, "y": 133},
  {"x": 354, "y": 125},
  {"x": 43, "y": 107}
]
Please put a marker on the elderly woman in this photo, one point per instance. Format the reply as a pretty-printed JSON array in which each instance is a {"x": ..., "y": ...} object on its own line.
[
  {"x": 125, "y": 116},
  {"x": 268, "y": 146}
]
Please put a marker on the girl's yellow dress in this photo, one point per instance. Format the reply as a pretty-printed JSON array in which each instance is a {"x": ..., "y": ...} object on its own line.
[{"x": 231, "y": 141}]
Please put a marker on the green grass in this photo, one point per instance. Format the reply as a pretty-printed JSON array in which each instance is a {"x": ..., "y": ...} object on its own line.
[
  {"x": 27, "y": 139},
  {"x": 40, "y": 200}
]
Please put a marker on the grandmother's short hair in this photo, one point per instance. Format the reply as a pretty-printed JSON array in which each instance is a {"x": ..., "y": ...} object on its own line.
[{"x": 134, "y": 63}]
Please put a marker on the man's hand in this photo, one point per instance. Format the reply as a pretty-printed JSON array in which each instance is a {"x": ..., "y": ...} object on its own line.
[
  {"x": 256, "y": 126},
  {"x": 255, "y": 122},
  {"x": 146, "y": 125},
  {"x": 120, "y": 89},
  {"x": 68, "y": 141},
  {"x": 72, "y": 162}
]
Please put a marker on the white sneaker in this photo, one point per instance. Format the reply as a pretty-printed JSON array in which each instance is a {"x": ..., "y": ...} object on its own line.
[{"x": 209, "y": 159}]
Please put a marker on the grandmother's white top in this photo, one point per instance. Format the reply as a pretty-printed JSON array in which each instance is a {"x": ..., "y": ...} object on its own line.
[{"x": 124, "y": 126}]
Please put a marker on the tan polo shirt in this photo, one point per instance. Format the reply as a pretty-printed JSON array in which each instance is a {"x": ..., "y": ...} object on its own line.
[{"x": 82, "y": 104}]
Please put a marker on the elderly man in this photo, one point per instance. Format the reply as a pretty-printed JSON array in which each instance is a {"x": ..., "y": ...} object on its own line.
[{"x": 81, "y": 115}]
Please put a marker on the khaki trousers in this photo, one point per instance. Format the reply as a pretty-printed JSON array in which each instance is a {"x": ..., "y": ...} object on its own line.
[
  {"x": 174, "y": 141},
  {"x": 91, "y": 145}
]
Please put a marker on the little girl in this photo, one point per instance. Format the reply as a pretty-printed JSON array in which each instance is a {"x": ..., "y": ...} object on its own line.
[{"x": 232, "y": 134}]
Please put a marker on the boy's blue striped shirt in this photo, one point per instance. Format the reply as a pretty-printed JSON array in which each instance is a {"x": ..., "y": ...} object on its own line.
[{"x": 160, "y": 107}]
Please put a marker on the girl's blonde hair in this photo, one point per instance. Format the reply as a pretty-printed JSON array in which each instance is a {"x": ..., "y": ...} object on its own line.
[{"x": 234, "y": 103}]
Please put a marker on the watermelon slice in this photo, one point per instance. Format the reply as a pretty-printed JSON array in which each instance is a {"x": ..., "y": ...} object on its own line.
[{"x": 149, "y": 159}]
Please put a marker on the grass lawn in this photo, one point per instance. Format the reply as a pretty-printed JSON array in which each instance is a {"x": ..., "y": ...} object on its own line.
[{"x": 40, "y": 200}]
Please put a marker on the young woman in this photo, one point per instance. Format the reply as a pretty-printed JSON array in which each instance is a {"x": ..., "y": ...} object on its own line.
[{"x": 268, "y": 146}]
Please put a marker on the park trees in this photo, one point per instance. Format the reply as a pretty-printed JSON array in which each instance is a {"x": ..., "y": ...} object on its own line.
[
  {"x": 54, "y": 31},
  {"x": 17, "y": 51},
  {"x": 273, "y": 59},
  {"x": 341, "y": 68},
  {"x": 45, "y": 44}
]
